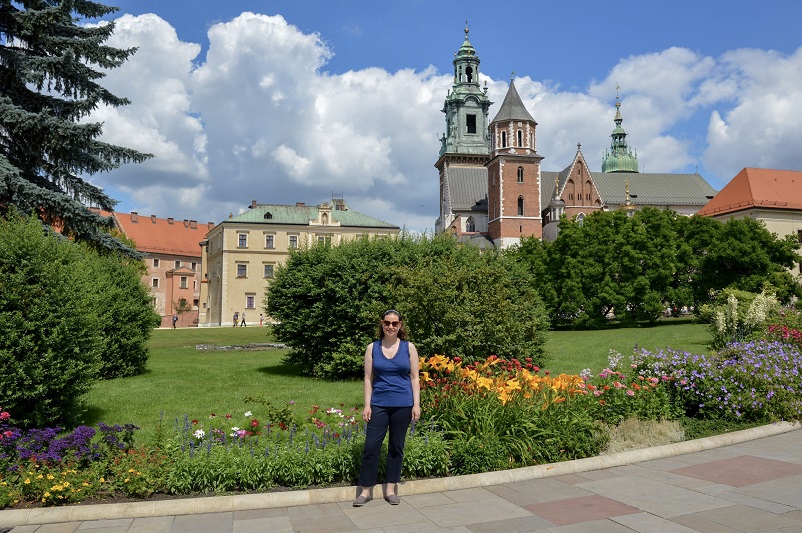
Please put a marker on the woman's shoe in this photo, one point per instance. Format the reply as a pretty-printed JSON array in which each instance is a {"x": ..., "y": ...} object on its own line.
[
  {"x": 361, "y": 500},
  {"x": 392, "y": 499}
]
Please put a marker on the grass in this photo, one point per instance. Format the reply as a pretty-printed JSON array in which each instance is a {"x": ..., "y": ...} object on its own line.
[
  {"x": 182, "y": 380},
  {"x": 571, "y": 351}
]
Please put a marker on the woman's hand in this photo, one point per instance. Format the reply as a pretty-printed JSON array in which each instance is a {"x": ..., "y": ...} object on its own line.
[
  {"x": 366, "y": 413},
  {"x": 415, "y": 413}
]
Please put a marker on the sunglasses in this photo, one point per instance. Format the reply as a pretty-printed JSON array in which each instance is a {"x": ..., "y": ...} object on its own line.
[{"x": 389, "y": 323}]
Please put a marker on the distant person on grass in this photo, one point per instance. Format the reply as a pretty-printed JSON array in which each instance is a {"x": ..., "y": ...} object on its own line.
[
  {"x": 392, "y": 401},
  {"x": 243, "y": 324},
  {"x": 175, "y": 319},
  {"x": 236, "y": 318}
]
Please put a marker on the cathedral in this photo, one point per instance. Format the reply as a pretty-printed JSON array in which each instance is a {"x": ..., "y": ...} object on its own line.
[{"x": 493, "y": 191}]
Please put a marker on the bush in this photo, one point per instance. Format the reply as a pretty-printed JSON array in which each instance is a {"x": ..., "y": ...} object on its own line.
[
  {"x": 327, "y": 300},
  {"x": 126, "y": 315},
  {"x": 737, "y": 315},
  {"x": 51, "y": 345}
]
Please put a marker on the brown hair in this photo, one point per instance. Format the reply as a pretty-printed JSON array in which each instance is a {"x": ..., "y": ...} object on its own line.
[{"x": 402, "y": 330}]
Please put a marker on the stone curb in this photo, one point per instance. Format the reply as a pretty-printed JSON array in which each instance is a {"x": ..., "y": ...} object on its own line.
[{"x": 241, "y": 502}]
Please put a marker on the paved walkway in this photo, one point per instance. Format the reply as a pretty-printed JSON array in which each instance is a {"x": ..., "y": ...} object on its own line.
[{"x": 748, "y": 481}]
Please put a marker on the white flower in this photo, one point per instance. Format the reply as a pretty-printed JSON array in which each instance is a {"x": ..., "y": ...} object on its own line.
[
  {"x": 199, "y": 434},
  {"x": 248, "y": 413}
]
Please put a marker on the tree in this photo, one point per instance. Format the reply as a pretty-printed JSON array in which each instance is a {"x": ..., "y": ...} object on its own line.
[
  {"x": 182, "y": 306},
  {"x": 453, "y": 298},
  {"x": 49, "y": 72}
]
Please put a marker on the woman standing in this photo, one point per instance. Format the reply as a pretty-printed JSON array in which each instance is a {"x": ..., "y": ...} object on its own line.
[{"x": 392, "y": 401}]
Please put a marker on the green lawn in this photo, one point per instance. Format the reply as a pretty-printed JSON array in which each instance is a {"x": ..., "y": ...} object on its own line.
[
  {"x": 572, "y": 351},
  {"x": 182, "y": 380}
]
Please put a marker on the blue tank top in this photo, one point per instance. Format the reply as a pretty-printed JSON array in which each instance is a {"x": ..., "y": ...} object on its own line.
[{"x": 391, "y": 384}]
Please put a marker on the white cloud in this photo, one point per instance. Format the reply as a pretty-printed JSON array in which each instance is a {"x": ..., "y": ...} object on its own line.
[{"x": 258, "y": 118}]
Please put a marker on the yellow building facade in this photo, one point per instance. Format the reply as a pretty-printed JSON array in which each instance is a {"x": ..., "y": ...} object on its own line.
[{"x": 240, "y": 255}]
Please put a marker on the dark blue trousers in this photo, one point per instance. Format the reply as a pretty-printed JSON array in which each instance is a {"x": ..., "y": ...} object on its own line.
[{"x": 397, "y": 420}]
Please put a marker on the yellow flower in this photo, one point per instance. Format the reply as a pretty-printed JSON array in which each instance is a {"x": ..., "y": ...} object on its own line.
[
  {"x": 66, "y": 483},
  {"x": 27, "y": 481},
  {"x": 40, "y": 476},
  {"x": 102, "y": 480},
  {"x": 131, "y": 470},
  {"x": 49, "y": 476},
  {"x": 46, "y": 494},
  {"x": 126, "y": 480}
]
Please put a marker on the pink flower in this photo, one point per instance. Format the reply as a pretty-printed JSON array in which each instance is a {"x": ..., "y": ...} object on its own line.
[
  {"x": 5, "y": 415},
  {"x": 630, "y": 392}
]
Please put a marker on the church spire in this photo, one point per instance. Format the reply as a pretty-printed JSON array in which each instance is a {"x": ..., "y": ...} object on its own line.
[
  {"x": 466, "y": 106},
  {"x": 619, "y": 158}
]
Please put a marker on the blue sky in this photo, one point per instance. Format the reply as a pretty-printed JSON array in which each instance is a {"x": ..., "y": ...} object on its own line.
[{"x": 301, "y": 99}]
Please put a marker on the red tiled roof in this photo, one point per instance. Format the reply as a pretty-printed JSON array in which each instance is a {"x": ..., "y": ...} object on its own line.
[
  {"x": 166, "y": 236},
  {"x": 757, "y": 187}
]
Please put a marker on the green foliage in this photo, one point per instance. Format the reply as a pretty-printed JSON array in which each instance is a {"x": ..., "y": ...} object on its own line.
[
  {"x": 69, "y": 316},
  {"x": 51, "y": 65},
  {"x": 126, "y": 316},
  {"x": 51, "y": 344},
  {"x": 632, "y": 268},
  {"x": 478, "y": 454},
  {"x": 327, "y": 301},
  {"x": 471, "y": 304},
  {"x": 736, "y": 315}
]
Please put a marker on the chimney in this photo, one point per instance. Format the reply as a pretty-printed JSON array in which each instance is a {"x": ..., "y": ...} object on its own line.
[
  {"x": 153, "y": 218},
  {"x": 170, "y": 220},
  {"x": 134, "y": 216},
  {"x": 210, "y": 225},
  {"x": 186, "y": 223},
  {"x": 253, "y": 204},
  {"x": 193, "y": 224},
  {"x": 300, "y": 204}
]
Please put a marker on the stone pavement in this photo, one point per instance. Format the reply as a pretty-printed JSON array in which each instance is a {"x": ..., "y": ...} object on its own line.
[{"x": 747, "y": 481}]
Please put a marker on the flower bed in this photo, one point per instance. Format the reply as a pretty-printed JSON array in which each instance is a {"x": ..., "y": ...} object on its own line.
[{"x": 483, "y": 416}]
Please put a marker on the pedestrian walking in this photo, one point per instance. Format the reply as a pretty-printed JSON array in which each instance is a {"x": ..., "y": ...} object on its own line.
[
  {"x": 175, "y": 319},
  {"x": 236, "y": 318},
  {"x": 243, "y": 324}
]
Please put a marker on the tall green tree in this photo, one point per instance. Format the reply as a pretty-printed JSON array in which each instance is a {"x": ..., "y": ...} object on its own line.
[{"x": 50, "y": 66}]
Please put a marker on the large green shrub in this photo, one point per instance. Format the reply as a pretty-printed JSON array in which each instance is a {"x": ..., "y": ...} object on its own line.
[
  {"x": 454, "y": 299},
  {"x": 68, "y": 316},
  {"x": 126, "y": 314},
  {"x": 51, "y": 333}
]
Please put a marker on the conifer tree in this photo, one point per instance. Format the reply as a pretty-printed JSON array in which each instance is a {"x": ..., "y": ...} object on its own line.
[{"x": 50, "y": 66}]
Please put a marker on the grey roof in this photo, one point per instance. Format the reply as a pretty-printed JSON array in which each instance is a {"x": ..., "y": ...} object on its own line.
[
  {"x": 302, "y": 215},
  {"x": 653, "y": 189},
  {"x": 512, "y": 108},
  {"x": 648, "y": 189},
  {"x": 466, "y": 186}
]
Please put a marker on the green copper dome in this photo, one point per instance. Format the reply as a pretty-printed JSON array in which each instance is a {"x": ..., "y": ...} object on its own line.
[{"x": 619, "y": 158}]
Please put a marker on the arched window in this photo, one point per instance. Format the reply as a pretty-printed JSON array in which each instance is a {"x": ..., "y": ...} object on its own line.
[
  {"x": 580, "y": 219},
  {"x": 469, "y": 74},
  {"x": 503, "y": 139},
  {"x": 520, "y": 138},
  {"x": 520, "y": 206},
  {"x": 470, "y": 225},
  {"x": 325, "y": 219},
  {"x": 520, "y": 174}
]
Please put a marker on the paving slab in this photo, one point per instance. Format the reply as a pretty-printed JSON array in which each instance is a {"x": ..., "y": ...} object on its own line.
[{"x": 748, "y": 519}]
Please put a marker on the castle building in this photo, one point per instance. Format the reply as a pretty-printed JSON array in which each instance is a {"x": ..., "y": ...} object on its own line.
[
  {"x": 493, "y": 191},
  {"x": 240, "y": 254}
]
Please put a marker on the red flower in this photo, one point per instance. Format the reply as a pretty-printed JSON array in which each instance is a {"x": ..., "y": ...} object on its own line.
[
  {"x": 255, "y": 423},
  {"x": 228, "y": 416},
  {"x": 5, "y": 415},
  {"x": 195, "y": 422}
]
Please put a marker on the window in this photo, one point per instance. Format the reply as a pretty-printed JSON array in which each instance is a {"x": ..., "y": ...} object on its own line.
[
  {"x": 799, "y": 235},
  {"x": 469, "y": 75},
  {"x": 471, "y": 123},
  {"x": 242, "y": 240},
  {"x": 155, "y": 263},
  {"x": 587, "y": 196},
  {"x": 580, "y": 218},
  {"x": 470, "y": 225},
  {"x": 155, "y": 283},
  {"x": 242, "y": 270},
  {"x": 270, "y": 241},
  {"x": 194, "y": 265},
  {"x": 269, "y": 271},
  {"x": 194, "y": 285},
  {"x": 324, "y": 240},
  {"x": 520, "y": 174},
  {"x": 178, "y": 264},
  {"x": 293, "y": 241},
  {"x": 520, "y": 206},
  {"x": 503, "y": 139},
  {"x": 520, "y": 138},
  {"x": 250, "y": 301},
  {"x": 183, "y": 282}
]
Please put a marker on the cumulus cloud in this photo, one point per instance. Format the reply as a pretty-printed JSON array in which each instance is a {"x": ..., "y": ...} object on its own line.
[{"x": 258, "y": 117}]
